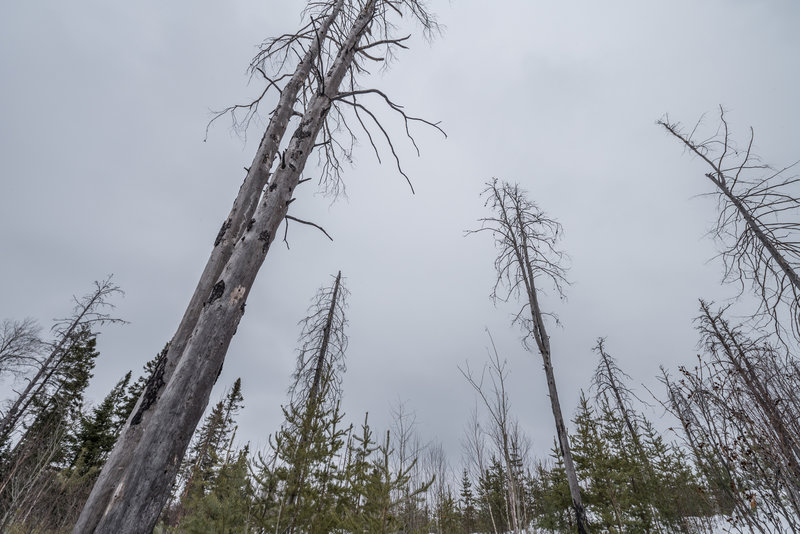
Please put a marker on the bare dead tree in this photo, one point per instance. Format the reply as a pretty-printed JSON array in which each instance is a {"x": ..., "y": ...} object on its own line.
[
  {"x": 91, "y": 309},
  {"x": 739, "y": 409},
  {"x": 404, "y": 426},
  {"x": 321, "y": 363},
  {"x": 20, "y": 345},
  {"x": 502, "y": 427},
  {"x": 527, "y": 254},
  {"x": 606, "y": 380},
  {"x": 317, "y": 379},
  {"x": 609, "y": 380},
  {"x": 408, "y": 450},
  {"x": 437, "y": 471},
  {"x": 334, "y": 48},
  {"x": 758, "y": 226}
]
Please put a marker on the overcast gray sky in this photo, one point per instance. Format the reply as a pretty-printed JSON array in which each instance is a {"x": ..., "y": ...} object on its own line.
[{"x": 104, "y": 170}]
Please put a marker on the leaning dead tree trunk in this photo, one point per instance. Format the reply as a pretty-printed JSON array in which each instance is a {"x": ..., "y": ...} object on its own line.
[
  {"x": 526, "y": 241},
  {"x": 758, "y": 223},
  {"x": 231, "y": 231},
  {"x": 134, "y": 483}
]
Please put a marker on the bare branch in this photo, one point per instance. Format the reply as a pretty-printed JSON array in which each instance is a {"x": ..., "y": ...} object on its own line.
[
  {"x": 318, "y": 227},
  {"x": 758, "y": 224}
]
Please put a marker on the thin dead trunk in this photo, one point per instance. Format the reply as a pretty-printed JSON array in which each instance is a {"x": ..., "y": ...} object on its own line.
[
  {"x": 499, "y": 428},
  {"x": 526, "y": 240},
  {"x": 312, "y": 402},
  {"x": 543, "y": 342}
]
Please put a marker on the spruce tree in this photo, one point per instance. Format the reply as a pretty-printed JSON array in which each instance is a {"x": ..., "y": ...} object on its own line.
[
  {"x": 98, "y": 430},
  {"x": 371, "y": 484},
  {"x": 467, "y": 502},
  {"x": 551, "y": 497},
  {"x": 492, "y": 490},
  {"x": 226, "y": 507}
]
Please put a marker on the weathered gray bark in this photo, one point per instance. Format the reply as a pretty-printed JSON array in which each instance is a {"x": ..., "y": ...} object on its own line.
[
  {"x": 138, "y": 481},
  {"x": 526, "y": 241},
  {"x": 232, "y": 229}
]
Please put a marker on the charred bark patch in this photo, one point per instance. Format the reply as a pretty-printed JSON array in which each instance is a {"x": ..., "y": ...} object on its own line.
[
  {"x": 221, "y": 234},
  {"x": 151, "y": 389},
  {"x": 264, "y": 236},
  {"x": 217, "y": 291}
]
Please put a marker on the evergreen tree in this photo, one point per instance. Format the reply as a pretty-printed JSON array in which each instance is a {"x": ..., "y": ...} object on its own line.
[
  {"x": 99, "y": 430},
  {"x": 448, "y": 516},
  {"x": 207, "y": 456},
  {"x": 467, "y": 503},
  {"x": 368, "y": 506},
  {"x": 492, "y": 510},
  {"x": 654, "y": 489},
  {"x": 226, "y": 507},
  {"x": 550, "y": 497},
  {"x": 301, "y": 476},
  {"x": 306, "y": 476}
]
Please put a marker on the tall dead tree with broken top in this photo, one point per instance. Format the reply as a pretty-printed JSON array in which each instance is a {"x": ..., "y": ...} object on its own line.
[
  {"x": 758, "y": 226},
  {"x": 322, "y": 100},
  {"x": 527, "y": 256},
  {"x": 316, "y": 389}
]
